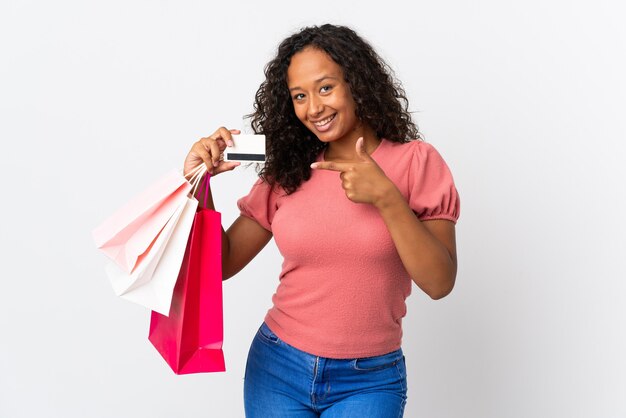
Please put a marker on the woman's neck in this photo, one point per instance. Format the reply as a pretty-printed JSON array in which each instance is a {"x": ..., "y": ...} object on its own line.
[{"x": 344, "y": 150}]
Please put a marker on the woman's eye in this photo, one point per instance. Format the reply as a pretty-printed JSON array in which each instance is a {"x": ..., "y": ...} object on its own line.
[
  {"x": 298, "y": 96},
  {"x": 326, "y": 88}
]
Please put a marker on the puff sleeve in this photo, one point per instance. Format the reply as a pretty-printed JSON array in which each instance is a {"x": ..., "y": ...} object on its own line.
[
  {"x": 432, "y": 193},
  {"x": 260, "y": 204}
]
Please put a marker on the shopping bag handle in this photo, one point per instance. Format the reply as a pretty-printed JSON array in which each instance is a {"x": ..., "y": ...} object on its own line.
[
  {"x": 197, "y": 175},
  {"x": 206, "y": 189}
]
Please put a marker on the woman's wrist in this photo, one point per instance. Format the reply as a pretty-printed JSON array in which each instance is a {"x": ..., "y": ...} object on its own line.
[{"x": 390, "y": 197}]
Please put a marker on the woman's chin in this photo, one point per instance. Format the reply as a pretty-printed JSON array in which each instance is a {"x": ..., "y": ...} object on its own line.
[{"x": 326, "y": 136}]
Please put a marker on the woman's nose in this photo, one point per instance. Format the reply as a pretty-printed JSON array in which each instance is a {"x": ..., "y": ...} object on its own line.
[{"x": 316, "y": 107}]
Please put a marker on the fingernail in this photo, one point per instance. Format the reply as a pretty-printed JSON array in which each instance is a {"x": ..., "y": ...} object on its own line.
[
  {"x": 314, "y": 165},
  {"x": 215, "y": 164},
  {"x": 230, "y": 143}
]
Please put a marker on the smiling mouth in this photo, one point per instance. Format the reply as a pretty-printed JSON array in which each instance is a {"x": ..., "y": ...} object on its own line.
[{"x": 325, "y": 121}]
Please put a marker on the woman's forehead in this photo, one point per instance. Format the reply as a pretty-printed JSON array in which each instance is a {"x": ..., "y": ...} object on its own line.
[{"x": 310, "y": 65}]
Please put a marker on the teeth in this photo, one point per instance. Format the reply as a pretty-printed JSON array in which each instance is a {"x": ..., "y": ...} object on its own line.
[{"x": 325, "y": 121}]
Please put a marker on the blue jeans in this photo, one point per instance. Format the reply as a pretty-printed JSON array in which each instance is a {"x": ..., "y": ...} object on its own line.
[{"x": 284, "y": 382}]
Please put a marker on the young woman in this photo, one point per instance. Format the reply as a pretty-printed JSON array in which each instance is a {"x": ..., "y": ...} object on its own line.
[{"x": 358, "y": 206}]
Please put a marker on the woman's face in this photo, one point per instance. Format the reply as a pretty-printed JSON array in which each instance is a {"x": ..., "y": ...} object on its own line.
[{"x": 321, "y": 98}]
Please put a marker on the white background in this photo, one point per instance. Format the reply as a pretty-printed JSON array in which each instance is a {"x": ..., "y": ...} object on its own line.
[{"x": 525, "y": 101}]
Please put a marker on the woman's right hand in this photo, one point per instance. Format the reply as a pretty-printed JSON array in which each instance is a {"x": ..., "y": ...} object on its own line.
[{"x": 209, "y": 151}]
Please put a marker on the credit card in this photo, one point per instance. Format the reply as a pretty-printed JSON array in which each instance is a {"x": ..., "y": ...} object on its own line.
[{"x": 247, "y": 149}]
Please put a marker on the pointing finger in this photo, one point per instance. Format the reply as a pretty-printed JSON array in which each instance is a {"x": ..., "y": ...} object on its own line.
[{"x": 329, "y": 165}]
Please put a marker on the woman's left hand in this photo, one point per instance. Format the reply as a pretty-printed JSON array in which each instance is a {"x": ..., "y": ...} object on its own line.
[{"x": 364, "y": 181}]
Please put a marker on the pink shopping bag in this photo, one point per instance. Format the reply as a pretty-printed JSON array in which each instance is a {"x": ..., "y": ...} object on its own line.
[{"x": 190, "y": 338}]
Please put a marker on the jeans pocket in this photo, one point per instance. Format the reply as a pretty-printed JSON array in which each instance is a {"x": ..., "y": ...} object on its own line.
[
  {"x": 266, "y": 334},
  {"x": 378, "y": 362}
]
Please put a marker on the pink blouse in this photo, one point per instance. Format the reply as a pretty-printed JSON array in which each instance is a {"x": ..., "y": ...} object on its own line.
[{"x": 343, "y": 287}]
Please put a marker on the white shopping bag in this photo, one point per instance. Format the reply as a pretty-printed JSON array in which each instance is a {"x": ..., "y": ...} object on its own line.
[
  {"x": 126, "y": 236},
  {"x": 152, "y": 283},
  {"x": 147, "y": 240}
]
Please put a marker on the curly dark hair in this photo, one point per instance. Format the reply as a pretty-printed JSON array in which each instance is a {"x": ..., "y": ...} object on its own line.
[{"x": 380, "y": 100}]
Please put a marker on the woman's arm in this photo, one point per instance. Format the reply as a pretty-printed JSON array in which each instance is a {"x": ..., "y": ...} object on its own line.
[
  {"x": 427, "y": 248},
  {"x": 245, "y": 238}
]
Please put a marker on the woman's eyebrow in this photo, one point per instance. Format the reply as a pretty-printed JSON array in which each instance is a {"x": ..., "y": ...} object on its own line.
[{"x": 316, "y": 81}]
